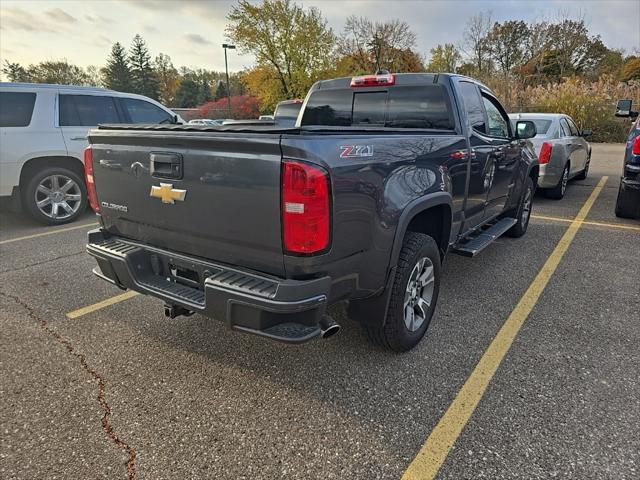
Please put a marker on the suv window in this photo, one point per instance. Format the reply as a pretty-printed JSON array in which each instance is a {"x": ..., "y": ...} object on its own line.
[
  {"x": 498, "y": 123},
  {"x": 144, "y": 112},
  {"x": 16, "y": 108},
  {"x": 87, "y": 110},
  {"x": 573, "y": 128},
  {"x": 424, "y": 106},
  {"x": 473, "y": 106}
]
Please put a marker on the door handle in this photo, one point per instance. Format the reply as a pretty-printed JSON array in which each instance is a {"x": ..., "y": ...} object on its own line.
[
  {"x": 78, "y": 138},
  {"x": 166, "y": 165}
]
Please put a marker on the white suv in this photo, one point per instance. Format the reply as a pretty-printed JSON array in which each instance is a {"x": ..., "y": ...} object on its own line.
[{"x": 43, "y": 134}]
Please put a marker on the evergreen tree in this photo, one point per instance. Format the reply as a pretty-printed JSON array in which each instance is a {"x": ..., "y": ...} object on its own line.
[
  {"x": 143, "y": 75},
  {"x": 188, "y": 94},
  {"x": 116, "y": 75},
  {"x": 221, "y": 91}
]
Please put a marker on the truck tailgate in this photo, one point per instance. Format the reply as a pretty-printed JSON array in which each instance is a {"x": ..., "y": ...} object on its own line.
[{"x": 213, "y": 195}]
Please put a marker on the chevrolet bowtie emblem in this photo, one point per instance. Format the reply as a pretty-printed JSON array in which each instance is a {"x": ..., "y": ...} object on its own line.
[{"x": 167, "y": 193}]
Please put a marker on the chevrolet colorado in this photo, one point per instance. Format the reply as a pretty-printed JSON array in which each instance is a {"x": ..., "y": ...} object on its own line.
[{"x": 264, "y": 227}]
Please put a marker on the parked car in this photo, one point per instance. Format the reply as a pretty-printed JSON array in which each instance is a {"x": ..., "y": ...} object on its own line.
[
  {"x": 628, "y": 201},
  {"x": 43, "y": 134},
  {"x": 264, "y": 228},
  {"x": 561, "y": 148},
  {"x": 205, "y": 121},
  {"x": 286, "y": 112}
]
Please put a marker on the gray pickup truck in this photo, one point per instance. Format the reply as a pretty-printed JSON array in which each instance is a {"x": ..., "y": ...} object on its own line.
[{"x": 264, "y": 227}]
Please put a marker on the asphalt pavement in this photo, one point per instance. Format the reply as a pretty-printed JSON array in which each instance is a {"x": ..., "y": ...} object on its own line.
[{"x": 123, "y": 392}]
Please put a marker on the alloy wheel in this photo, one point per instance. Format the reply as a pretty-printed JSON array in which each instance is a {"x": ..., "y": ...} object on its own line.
[
  {"x": 419, "y": 294},
  {"x": 58, "y": 197}
]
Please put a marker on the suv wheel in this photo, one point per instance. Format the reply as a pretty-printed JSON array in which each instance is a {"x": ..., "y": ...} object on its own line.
[
  {"x": 523, "y": 214},
  {"x": 413, "y": 296},
  {"x": 55, "y": 196},
  {"x": 559, "y": 190}
]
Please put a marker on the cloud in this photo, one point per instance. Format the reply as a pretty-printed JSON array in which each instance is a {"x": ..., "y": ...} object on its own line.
[
  {"x": 60, "y": 15},
  {"x": 98, "y": 19},
  {"x": 103, "y": 41},
  {"x": 18, "y": 19},
  {"x": 197, "y": 39}
]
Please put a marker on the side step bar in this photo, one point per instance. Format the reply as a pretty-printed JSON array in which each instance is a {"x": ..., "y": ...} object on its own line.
[{"x": 482, "y": 238}]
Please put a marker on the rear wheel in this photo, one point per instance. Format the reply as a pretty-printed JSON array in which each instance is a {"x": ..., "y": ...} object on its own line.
[
  {"x": 413, "y": 296},
  {"x": 583, "y": 174},
  {"x": 523, "y": 214},
  {"x": 55, "y": 196},
  {"x": 560, "y": 189}
]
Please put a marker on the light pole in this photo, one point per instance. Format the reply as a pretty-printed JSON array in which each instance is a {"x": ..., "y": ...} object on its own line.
[{"x": 226, "y": 69}]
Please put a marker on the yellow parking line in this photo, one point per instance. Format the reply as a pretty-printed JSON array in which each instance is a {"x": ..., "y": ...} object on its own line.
[
  {"x": 597, "y": 224},
  {"x": 100, "y": 305},
  {"x": 436, "y": 449},
  {"x": 50, "y": 232}
]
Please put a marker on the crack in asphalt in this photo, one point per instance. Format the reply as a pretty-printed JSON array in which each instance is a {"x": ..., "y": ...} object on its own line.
[
  {"x": 106, "y": 408},
  {"x": 41, "y": 263}
]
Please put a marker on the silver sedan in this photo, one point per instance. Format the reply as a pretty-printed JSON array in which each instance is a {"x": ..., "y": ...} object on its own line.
[{"x": 561, "y": 148}]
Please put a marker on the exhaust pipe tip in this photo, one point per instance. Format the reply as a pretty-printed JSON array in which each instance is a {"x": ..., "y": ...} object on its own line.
[{"x": 328, "y": 327}]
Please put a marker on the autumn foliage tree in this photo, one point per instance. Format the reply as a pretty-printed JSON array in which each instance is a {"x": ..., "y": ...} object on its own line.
[{"x": 242, "y": 106}]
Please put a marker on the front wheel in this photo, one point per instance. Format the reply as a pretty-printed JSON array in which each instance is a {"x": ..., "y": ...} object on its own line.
[
  {"x": 413, "y": 296},
  {"x": 55, "y": 196},
  {"x": 523, "y": 214}
]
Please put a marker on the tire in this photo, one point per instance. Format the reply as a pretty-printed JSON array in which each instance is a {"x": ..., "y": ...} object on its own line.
[
  {"x": 523, "y": 214},
  {"x": 409, "y": 294},
  {"x": 627, "y": 204},
  {"x": 560, "y": 189},
  {"x": 583, "y": 174},
  {"x": 55, "y": 196}
]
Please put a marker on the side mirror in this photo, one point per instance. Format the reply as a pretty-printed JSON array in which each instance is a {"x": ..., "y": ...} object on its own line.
[
  {"x": 587, "y": 132},
  {"x": 623, "y": 108},
  {"x": 525, "y": 129}
]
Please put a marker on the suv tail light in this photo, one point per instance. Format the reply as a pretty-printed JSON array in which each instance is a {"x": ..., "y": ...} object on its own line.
[
  {"x": 636, "y": 146},
  {"x": 374, "y": 80},
  {"x": 306, "y": 216},
  {"x": 545, "y": 153},
  {"x": 88, "y": 176}
]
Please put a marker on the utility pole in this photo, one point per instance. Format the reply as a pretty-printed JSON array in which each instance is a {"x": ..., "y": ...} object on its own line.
[{"x": 226, "y": 69}]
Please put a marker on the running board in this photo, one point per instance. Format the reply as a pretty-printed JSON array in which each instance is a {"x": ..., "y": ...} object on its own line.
[{"x": 482, "y": 238}]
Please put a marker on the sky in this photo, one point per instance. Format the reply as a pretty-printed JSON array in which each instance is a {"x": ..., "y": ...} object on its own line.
[{"x": 191, "y": 32}]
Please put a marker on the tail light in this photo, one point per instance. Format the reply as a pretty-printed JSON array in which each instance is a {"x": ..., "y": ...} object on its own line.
[
  {"x": 545, "y": 153},
  {"x": 636, "y": 146},
  {"x": 306, "y": 213},
  {"x": 89, "y": 180},
  {"x": 374, "y": 80}
]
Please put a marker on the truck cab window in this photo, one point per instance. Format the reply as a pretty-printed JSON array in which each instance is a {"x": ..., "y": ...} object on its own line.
[
  {"x": 473, "y": 106},
  {"x": 498, "y": 122},
  {"x": 369, "y": 108}
]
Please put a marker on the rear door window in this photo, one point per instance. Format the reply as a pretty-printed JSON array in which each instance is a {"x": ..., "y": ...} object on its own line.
[
  {"x": 564, "y": 128},
  {"x": 144, "y": 112},
  {"x": 473, "y": 106},
  {"x": 16, "y": 108},
  {"x": 573, "y": 128},
  {"x": 87, "y": 110}
]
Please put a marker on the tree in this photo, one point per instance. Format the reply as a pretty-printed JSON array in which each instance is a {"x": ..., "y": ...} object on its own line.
[
  {"x": 475, "y": 42},
  {"x": 369, "y": 46},
  {"x": 116, "y": 75},
  {"x": 188, "y": 94},
  {"x": 631, "y": 69},
  {"x": 295, "y": 42},
  {"x": 506, "y": 44},
  {"x": 93, "y": 76},
  {"x": 573, "y": 48},
  {"x": 168, "y": 79},
  {"x": 262, "y": 82},
  {"x": 59, "y": 72},
  {"x": 16, "y": 72},
  {"x": 144, "y": 80},
  {"x": 242, "y": 106},
  {"x": 221, "y": 91},
  {"x": 444, "y": 58}
]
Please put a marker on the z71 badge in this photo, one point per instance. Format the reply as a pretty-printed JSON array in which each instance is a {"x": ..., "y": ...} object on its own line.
[{"x": 356, "y": 151}]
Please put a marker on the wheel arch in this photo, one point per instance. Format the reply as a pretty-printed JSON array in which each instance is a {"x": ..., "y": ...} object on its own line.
[{"x": 31, "y": 166}]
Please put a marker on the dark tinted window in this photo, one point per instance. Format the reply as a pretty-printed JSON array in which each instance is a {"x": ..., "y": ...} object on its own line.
[
  {"x": 473, "y": 106},
  {"x": 144, "y": 112},
  {"x": 16, "y": 108},
  {"x": 369, "y": 108},
  {"x": 420, "y": 107},
  {"x": 87, "y": 110},
  {"x": 288, "y": 110},
  {"x": 329, "y": 107},
  {"x": 423, "y": 106}
]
